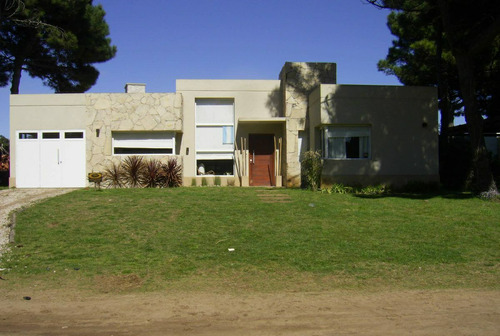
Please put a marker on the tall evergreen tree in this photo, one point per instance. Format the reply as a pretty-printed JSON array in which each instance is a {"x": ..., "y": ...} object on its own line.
[
  {"x": 470, "y": 32},
  {"x": 57, "y": 41}
]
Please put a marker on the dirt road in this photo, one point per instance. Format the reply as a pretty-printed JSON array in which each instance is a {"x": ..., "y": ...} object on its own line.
[{"x": 450, "y": 312}]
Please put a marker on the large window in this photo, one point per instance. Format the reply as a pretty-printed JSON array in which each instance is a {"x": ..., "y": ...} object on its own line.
[
  {"x": 144, "y": 142},
  {"x": 346, "y": 142},
  {"x": 214, "y": 136}
]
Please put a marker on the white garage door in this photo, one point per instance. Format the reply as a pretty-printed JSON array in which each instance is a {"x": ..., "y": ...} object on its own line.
[{"x": 50, "y": 159}]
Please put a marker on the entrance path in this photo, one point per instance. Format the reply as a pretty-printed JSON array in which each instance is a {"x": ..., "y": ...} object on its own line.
[{"x": 12, "y": 199}]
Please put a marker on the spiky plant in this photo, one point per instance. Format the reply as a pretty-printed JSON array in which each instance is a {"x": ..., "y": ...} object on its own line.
[
  {"x": 113, "y": 176},
  {"x": 151, "y": 176},
  {"x": 132, "y": 168},
  {"x": 172, "y": 173}
]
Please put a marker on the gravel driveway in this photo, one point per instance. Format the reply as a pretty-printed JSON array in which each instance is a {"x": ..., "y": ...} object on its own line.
[{"x": 11, "y": 199}]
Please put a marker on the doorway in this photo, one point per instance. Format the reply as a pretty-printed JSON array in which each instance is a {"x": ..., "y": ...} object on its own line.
[{"x": 261, "y": 151}]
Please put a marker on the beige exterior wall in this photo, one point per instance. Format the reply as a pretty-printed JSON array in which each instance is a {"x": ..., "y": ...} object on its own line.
[
  {"x": 104, "y": 112},
  {"x": 403, "y": 121},
  {"x": 253, "y": 99},
  {"x": 35, "y": 112},
  {"x": 404, "y": 132}
]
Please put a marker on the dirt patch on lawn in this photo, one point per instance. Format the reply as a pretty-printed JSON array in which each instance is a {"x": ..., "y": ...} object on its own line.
[
  {"x": 117, "y": 283},
  {"x": 426, "y": 312}
]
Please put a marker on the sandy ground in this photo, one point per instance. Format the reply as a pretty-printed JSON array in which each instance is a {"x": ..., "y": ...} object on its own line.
[{"x": 449, "y": 312}]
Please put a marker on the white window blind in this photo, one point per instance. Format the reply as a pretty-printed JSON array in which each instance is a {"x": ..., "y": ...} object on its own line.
[
  {"x": 143, "y": 142},
  {"x": 214, "y": 112}
]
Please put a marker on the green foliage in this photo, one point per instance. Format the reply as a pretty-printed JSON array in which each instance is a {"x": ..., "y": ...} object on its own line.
[
  {"x": 204, "y": 182},
  {"x": 4, "y": 145},
  {"x": 57, "y": 41},
  {"x": 312, "y": 166},
  {"x": 193, "y": 182},
  {"x": 217, "y": 181},
  {"x": 339, "y": 188}
]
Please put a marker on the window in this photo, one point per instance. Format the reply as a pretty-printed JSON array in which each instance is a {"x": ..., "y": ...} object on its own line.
[
  {"x": 150, "y": 143},
  {"x": 73, "y": 135},
  {"x": 214, "y": 136},
  {"x": 50, "y": 135},
  {"x": 346, "y": 142},
  {"x": 30, "y": 135}
]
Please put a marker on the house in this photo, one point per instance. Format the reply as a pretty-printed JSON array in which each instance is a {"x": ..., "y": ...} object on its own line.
[{"x": 247, "y": 132}]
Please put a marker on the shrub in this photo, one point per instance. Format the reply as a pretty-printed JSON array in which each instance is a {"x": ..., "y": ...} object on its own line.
[
  {"x": 339, "y": 188},
  {"x": 230, "y": 182},
  {"x": 133, "y": 170},
  {"x": 193, "y": 182},
  {"x": 204, "y": 182},
  {"x": 171, "y": 174},
  {"x": 373, "y": 190},
  {"x": 312, "y": 166},
  {"x": 151, "y": 175},
  {"x": 113, "y": 176},
  {"x": 217, "y": 181}
]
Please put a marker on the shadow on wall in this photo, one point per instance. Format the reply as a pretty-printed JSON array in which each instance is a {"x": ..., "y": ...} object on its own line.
[
  {"x": 300, "y": 79},
  {"x": 403, "y": 120},
  {"x": 274, "y": 103}
]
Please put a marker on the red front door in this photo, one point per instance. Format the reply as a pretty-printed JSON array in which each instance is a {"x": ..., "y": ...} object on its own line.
[{"x": 261, "y": 148}]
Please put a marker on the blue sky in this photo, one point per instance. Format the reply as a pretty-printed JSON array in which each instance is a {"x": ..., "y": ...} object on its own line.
[{"x": 161, "y": 41}]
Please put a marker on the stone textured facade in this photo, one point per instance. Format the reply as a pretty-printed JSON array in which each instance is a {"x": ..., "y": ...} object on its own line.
[
  {"x": 298, "y": 80},
  {"x": 107, "y": 112}
]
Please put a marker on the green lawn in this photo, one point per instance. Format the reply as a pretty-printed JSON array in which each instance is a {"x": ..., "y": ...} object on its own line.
[{"x": 179, "y": 239}]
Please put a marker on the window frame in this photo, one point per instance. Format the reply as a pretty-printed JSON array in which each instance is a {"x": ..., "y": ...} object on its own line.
[
  {"x": 119, "y": 143},
  {"x": 345, "y": 132},
  {"x": 225, "y": 125}
]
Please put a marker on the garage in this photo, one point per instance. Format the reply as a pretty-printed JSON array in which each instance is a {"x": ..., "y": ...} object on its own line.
[{"x": 50, "y": 159}]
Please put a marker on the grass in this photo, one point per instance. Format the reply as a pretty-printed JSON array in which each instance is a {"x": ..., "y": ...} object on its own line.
[{"x": 151, "y": 239}]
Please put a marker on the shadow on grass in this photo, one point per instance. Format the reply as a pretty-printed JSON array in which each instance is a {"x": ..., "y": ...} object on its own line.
[{"x": 420, "y": 196}]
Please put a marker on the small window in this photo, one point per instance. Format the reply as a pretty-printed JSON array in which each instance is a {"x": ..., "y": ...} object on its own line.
[
  {"x": 227, "y": 135},
  {"x": 143, "y": 143},
  {"x": 73, "y": 135},
  {"x": 30, "y": 135},
  {"x": 346, "y": 142},
  {"x": 214, "y": 167},
  {"x": 50, "y": 135}
]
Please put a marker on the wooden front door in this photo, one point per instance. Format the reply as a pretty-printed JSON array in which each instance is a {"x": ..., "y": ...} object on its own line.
[{"x": 261, "y": 151}]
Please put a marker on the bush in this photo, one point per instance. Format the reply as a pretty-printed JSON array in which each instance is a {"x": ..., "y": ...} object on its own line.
[
  {"x": 151, "y": 175},
  {"x": 312, "y": 166},
  {"x": 172, "y": 174},
  {"x": 204, "y": 182},
  {"x": 113, "y": 176},
  {"x": 133, "y": 171},
  {"x": 217, "y": 181},
  {"x": 136, "y": 172}
]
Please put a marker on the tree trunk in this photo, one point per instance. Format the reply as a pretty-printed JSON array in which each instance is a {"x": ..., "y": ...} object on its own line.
[
  {"x": 483, "y": 176},
  {"x": 16, "y": 76}
]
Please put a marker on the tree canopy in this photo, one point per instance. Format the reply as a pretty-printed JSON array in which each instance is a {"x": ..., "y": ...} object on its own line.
[
  {"x": 57, "y": 41},
  {"x": 456, "y": 46}
]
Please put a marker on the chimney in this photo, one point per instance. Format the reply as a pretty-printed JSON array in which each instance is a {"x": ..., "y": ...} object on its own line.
[{"x": 135, "y": 88}]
